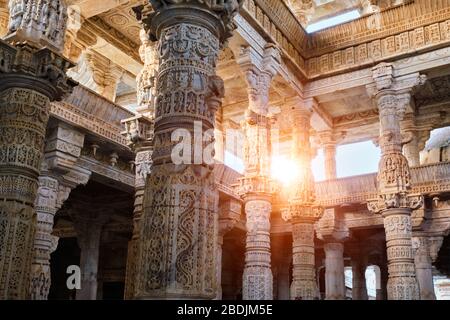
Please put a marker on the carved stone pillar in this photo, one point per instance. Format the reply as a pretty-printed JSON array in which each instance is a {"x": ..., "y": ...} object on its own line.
[
  {"x": 333, "y": 230},
  {"x": 302, "y": 212},
  {"x": 414, "y": 138},
  {"x": 256, "y": 187},
  {"x": 424, "y": 267},
  {"x": 229, "y": 214},
  {"x": 45, "y": 206},
  {"x": 329, "y": 152},
  {"x": 392, "y": 96},
  {"x": 57, "y": 178},
  {"x": 177, "y": 251},
  {"x": 4, "y": 17},
  {"x": 359, "y": 288},
  {"x": 257, "y": 278},
  {"x": 359, "y": 263},
  {"x": 139, "y": 132},
  {"x": 30, "y": 79},
  {"x": 89, "y": 229},
  {"x": 334, "y": 271},
  {"x": 328, "y": 140}
]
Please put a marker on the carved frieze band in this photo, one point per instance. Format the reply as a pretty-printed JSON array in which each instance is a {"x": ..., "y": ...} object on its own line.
[{"x": 74, "y": 116}]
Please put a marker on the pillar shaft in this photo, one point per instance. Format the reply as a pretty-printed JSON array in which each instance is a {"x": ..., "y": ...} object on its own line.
[
  {"x": 392, "y": 96},
  {"x": 229, "y": 214},
  {"x": 330, "y": 161},
  {"x": 38, "y": 77},
  {"x": 424, "y": 268},
  {"x": 304, "y": 285},
  {"x": 334, "y": 271},
  {"x": 301, "y": 211},
  {"x": 89, "y": 235},
  {"x": 256, "y": 187},
  {"x": 179, "y": 225},
  {"x": 44, "y": 242},
  {"x": 258, "y": 278},
  {"x": 359, "y": 288}
]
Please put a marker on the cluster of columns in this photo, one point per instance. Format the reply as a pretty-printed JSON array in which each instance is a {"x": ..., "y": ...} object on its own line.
[{"x": 174, "y": 249}]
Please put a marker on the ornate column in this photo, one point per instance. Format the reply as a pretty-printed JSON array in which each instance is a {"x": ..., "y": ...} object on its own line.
[
  {"x": 30, "y": 79},
  {"x": 4, "y": 17},
  {"x": 359, "y": 262},
  {"x": 88, "y": 226},
  {"x": 329, "y": 140},
  {"x": 414, "y": 138},
  {"x": 424, "y": 268},
  {"x": 392, "y": 96},
  {"x": 44, "y": 242},
  {"x": 139, "y": 132},
  {"x": 302, "y": 211},
  {"x": 229, "y": 214},
  {"x": 359, "y": 288},
  {"x": 332, "y": 229},
  {"x": 334, "y": 271},
  {"x": 256, "y": 188},
  {"x": 177, "y": 251},
  {"x": 57, "y": 178}
]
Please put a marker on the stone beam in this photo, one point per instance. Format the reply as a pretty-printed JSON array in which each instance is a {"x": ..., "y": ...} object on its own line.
[{"x": 90, "y": 8}]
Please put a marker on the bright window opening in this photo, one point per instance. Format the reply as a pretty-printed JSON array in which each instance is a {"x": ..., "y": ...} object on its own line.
[
  {"x": 334, "y": 21},
  {"x": 234, "y": 162},
  {"x": 357, "y": 158}
]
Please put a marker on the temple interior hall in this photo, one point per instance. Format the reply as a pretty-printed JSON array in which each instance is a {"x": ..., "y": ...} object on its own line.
[{"x": 225, "y": 150}]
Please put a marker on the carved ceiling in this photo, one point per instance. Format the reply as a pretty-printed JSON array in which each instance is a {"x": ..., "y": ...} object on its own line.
[
  {"x": 122, "y": 18},
  {"x": 435, "y": 91}
]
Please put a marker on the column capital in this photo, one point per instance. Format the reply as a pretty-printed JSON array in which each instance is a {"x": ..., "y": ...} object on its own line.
[
  {"x": 385, "y": 80},
  {"x": 78, "y": 39},
  {"x": 267, "y": 62},
  {"x": 229, "y": 215},
  {"x": 332, "y": 227},
  {"x": 104, "y": 73},
  {"x": 329, "y": 138},
  {"x": 259, "y": 70},
  {"x": 46, "y": 66},
  {"x": 216, "y": 15},
  {"x": 302, "y": 213}
]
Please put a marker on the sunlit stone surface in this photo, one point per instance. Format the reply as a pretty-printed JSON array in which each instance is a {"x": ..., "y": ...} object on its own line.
[{"x": 224, "y": 149}]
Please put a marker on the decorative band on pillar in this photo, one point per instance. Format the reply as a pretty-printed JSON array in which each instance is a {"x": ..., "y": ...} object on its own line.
[{"x": 177, "y": 250}]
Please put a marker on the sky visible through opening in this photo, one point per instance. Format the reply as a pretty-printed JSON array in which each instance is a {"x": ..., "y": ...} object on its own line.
[
  {"x": 334, "y": 21},
  {"x": 351, "y": 160}
]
